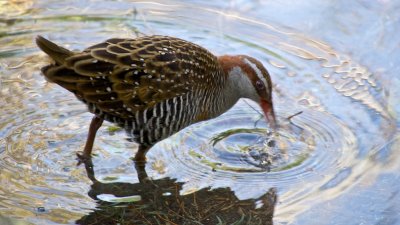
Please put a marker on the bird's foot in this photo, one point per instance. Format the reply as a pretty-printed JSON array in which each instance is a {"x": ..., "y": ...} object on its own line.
[
  {"x": 140, "y": 166},
  {"x": 83, "y": 158}
]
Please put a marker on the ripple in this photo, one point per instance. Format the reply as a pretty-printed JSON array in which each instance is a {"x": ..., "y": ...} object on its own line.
[
  {"x": 310, "y": 146},
  {"x": 316, "y": 156}
]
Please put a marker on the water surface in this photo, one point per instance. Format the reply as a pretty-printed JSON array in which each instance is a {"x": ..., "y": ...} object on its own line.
[{"x": 336, "y": 162}]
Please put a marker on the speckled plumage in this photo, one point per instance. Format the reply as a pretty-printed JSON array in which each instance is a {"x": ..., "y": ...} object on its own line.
[
  {"x": 142, "y": 84},
  {"x": 154, "y": 86}
]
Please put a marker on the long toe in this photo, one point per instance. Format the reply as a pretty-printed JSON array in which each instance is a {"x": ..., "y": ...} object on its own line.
[{"x": 83, "y": 158}]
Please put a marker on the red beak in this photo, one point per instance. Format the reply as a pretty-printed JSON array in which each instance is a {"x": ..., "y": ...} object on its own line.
[{"x": 269, "y": 113}]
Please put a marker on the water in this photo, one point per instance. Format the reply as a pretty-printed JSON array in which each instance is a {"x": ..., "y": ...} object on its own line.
[{"x": 335, "y": 163}]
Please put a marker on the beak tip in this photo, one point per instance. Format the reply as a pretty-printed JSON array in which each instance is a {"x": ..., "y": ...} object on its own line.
[{"x": 269, "y": 114}]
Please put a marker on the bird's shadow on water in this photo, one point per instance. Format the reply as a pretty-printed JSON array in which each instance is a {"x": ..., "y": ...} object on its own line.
[{"x": 159, "y": 202}]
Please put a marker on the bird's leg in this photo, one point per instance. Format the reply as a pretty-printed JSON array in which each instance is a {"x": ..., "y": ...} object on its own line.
[
  {"x": 94, "y": 126},
  {"x": 140, "y": 156},
  {"x": 141, "y": 172},
  {"x": 140, "y": 163},
  {"x": 89, "y": 170}
]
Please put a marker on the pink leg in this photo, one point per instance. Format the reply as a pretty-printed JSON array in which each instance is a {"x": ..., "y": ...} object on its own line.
[{"x": 94, "y": 126}]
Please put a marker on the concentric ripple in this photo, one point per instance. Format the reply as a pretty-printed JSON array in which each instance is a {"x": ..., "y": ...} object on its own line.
[
  {"x": 339, "y": 138},
  {"x": 308, "y": 147}
]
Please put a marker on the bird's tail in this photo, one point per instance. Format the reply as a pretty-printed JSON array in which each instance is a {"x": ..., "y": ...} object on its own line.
[
  {"x": 58, "y": 73},
  {"x": 59, "y": 54}
]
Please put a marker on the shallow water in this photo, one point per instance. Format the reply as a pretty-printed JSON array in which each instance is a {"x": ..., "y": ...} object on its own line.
[{"x": 335, "y": 163}]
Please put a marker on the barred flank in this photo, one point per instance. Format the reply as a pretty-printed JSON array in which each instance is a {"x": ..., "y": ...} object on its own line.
[{"x": 151, "y": 86}]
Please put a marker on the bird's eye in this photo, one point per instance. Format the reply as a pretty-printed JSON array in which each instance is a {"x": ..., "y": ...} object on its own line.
[{"x": 260, "y": 85}]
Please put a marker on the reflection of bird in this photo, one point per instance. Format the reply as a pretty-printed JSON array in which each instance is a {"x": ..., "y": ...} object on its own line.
[
  {"x": 155, "y": 86},
  {"x": 160, "y": 202}
]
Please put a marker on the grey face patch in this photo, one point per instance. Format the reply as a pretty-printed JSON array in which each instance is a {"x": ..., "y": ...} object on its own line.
[{"x": 240, "y": 86}]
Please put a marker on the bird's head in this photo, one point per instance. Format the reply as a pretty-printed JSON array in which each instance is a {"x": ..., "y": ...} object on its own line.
[{"x": 250, "y": 79}]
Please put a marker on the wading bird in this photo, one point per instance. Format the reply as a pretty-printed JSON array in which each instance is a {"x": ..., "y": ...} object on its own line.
[{"x": 154, "y": 86}]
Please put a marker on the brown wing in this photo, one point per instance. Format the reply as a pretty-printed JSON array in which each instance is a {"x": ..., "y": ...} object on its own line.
[{"x": 120, "y": 76}]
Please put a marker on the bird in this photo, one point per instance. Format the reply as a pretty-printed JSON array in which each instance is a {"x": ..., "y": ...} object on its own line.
[{"x": 154, "y": 86}]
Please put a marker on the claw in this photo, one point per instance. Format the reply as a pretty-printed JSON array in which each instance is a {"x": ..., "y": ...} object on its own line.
[{"x": 82, "y": 158}]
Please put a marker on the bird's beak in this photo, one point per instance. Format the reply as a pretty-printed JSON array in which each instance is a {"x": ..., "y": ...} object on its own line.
[{"x": 269, "y": 113}]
